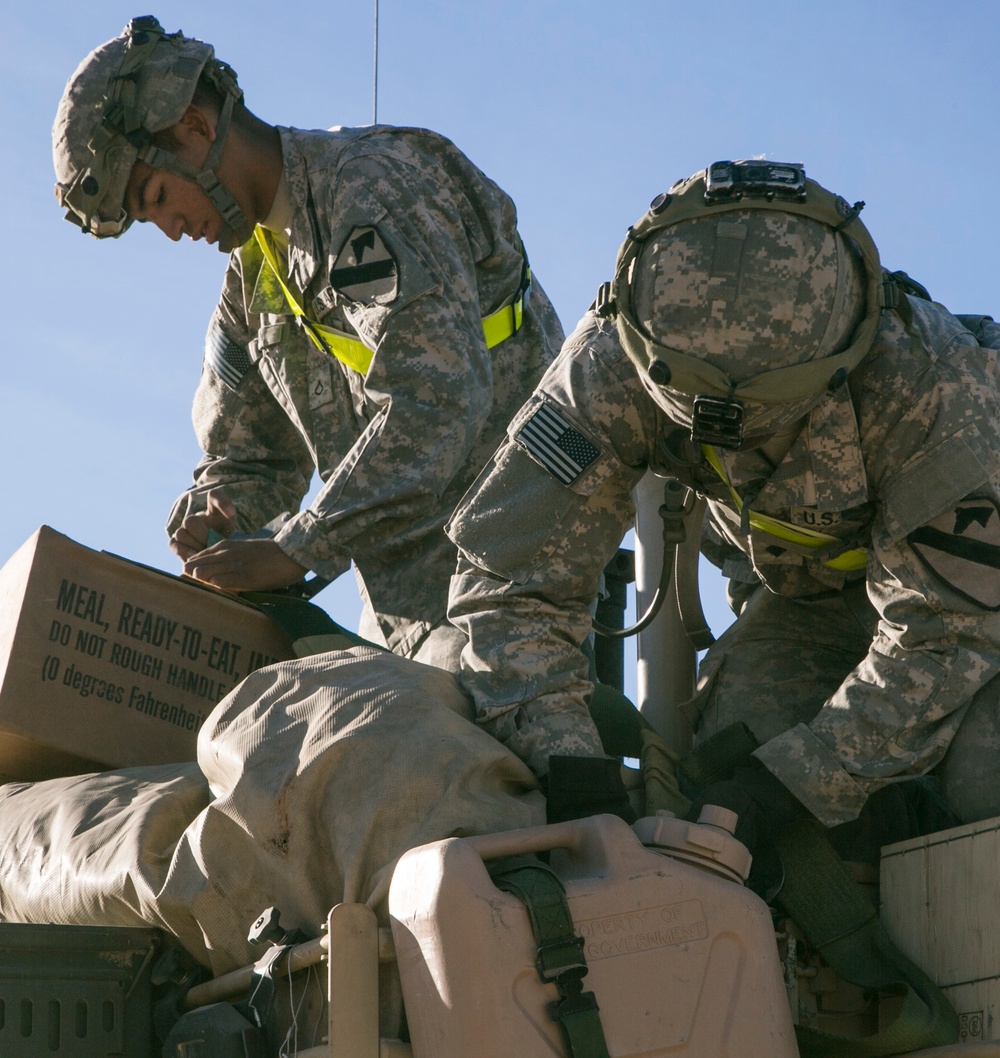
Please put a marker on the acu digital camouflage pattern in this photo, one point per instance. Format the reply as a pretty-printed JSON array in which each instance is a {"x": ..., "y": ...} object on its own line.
[
  {"x": 397, "y": 447},
  {"x": 749, "y": 292},
  {"x": 153, "y": 92},
  {"x": 847, "y": 694}
]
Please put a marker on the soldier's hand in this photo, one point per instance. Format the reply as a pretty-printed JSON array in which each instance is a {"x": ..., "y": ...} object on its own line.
[
  {"x": 245, "y": 565},
  {"x": 191, "y": 536}
]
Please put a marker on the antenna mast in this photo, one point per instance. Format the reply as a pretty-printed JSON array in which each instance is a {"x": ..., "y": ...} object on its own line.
[{"x": 375, "y": 78}]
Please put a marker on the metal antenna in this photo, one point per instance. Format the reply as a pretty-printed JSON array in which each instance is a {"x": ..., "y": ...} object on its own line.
[{"x": 375, "y": 89}]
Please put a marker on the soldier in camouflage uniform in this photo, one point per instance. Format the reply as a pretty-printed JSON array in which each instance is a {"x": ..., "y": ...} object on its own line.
[
  {"x": 374, "y": 323},
  {"x": 846, "y": 435}
]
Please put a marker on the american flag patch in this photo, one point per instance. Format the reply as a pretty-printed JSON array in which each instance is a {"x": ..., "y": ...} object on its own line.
[
  {"x": 229, "y": 360},
  {"x": 551, "y": 441}
]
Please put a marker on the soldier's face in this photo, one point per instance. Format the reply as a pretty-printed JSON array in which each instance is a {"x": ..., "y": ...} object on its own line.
[{"x": 178, "y": 207}]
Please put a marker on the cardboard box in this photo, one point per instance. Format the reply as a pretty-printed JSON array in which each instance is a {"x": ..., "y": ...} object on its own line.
[
  {"x": 105, "y": 663},
  {"x": 941, "y": 905}
]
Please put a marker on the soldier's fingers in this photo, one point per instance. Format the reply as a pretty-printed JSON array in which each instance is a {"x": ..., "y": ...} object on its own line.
[
  {"x": 186, "y": 543},
  {"x": 221, "y": 506}
]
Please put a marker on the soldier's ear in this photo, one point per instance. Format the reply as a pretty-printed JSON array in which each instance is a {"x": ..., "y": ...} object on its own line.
[{"x": 196, "y": 127}]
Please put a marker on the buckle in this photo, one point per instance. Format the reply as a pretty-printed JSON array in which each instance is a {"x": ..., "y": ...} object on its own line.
[
  {"x": 604, "y": 304},
  {"x": 559, "y": 958},
  {"x": 568, "y": 1006},
  {"x": 678, "y": 502},
  {"x": 114, "y": 116},
  {"x": 907, "y": 284},
  {"x": 717, "y": 421}
]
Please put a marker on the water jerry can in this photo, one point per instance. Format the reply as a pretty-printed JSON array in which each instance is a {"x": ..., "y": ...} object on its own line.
[{"x": 681, "y": 957}]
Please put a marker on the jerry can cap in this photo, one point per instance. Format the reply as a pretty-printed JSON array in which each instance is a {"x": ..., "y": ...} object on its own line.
[{"x": 709, "y": 843}]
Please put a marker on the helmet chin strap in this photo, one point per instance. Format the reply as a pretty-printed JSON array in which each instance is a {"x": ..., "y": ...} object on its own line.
[
  {"x": 223, "y": 201},
  {"x": 205, "y": 177}
]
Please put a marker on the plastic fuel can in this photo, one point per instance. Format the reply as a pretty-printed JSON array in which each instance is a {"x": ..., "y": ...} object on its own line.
[{"x": 681, "y": 957}]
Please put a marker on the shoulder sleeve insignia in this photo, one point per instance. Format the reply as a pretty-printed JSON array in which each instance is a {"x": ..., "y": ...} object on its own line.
[
  {"x": 228, "y": 359},
  {"x": 552, "y": 441},
  {"x": 962, "y": 547},
  {"x": 364, "y": 269}
]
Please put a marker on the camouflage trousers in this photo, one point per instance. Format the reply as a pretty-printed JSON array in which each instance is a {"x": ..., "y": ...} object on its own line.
[
  {"x": 782, "y": 658},
  {"x": 441, "y": 646}
]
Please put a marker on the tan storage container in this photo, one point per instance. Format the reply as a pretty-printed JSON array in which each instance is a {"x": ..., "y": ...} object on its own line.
[
  {"x": 108, "y": 664},
  {"x": 941, "y": 905},
  {"x": 682, "y": 960}
]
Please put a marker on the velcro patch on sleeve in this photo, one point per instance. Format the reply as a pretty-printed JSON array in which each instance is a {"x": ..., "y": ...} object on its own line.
[
  {"x": 962, "y": 547},
  {"x": 556, "y": 444},
  {"x": 228, "y": 359},
  {"x": 365, "y": 270}
]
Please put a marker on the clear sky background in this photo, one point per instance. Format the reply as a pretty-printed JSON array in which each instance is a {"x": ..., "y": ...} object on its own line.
[{"x": 582, "y": 110}]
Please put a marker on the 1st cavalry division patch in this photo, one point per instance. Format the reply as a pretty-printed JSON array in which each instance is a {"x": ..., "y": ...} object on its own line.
[
  {"x": 365, "y": 270},
  {"x": 962, "y": 546}
]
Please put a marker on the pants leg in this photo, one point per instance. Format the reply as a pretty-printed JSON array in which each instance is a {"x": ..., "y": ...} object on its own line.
[
  {"x": 441, "y": 647},
  {"x": 776, "y": 665},
  {"x": 780, "y": 661},
  {"x": 970, "y": 771}
]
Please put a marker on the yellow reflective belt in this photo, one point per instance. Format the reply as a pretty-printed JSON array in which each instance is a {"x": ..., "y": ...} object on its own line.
[
  {"x": 500, "y": 325},
  {"x": 791, "y": 534},
  {"x": 497, "y": 327}
]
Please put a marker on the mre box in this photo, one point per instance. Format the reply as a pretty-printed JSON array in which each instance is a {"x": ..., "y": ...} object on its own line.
[{"x": 108, "y": 664}]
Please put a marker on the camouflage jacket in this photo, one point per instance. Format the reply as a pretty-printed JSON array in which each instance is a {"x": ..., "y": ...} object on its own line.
[
  {"x": 904, "y": 461},
  {"x": 394, "y": 448}
]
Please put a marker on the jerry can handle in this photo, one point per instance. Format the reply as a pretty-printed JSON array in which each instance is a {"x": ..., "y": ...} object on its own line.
[{"x": 570, "y": 835}]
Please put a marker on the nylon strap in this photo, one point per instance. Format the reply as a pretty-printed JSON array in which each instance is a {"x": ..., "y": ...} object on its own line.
[
  {"x": 855, "y": 559},
  {"x": 497, "y": 327},
  {"x": 560, "y": 958},
  {"x": 302, "y": 620},
  {"x": 840, "y": 922},
  {"x": 686, "y": 590},
  {"x": 715, "y": 759}
]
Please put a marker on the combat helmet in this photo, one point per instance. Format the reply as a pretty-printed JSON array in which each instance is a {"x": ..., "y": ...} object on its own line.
[
  {"x": 744, "y": 295},
  {"x": 124, "y": 92}
]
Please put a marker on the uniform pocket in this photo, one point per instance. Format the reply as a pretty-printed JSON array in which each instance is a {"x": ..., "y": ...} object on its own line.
[{"x": 510, "y": 516}]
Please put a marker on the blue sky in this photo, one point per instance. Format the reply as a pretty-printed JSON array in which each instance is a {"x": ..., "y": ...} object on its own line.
[{"x": 582, "y": 110}]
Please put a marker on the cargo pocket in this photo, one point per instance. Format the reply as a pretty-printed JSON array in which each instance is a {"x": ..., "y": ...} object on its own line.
[
  {"x": 519, "y": 515},
  {"x": 511, "y": 515}
]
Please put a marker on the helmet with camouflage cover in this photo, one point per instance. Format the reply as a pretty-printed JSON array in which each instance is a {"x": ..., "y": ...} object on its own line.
[
  {"x": 744, "y": 295},
  {"x": 121, "y": 95}
]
